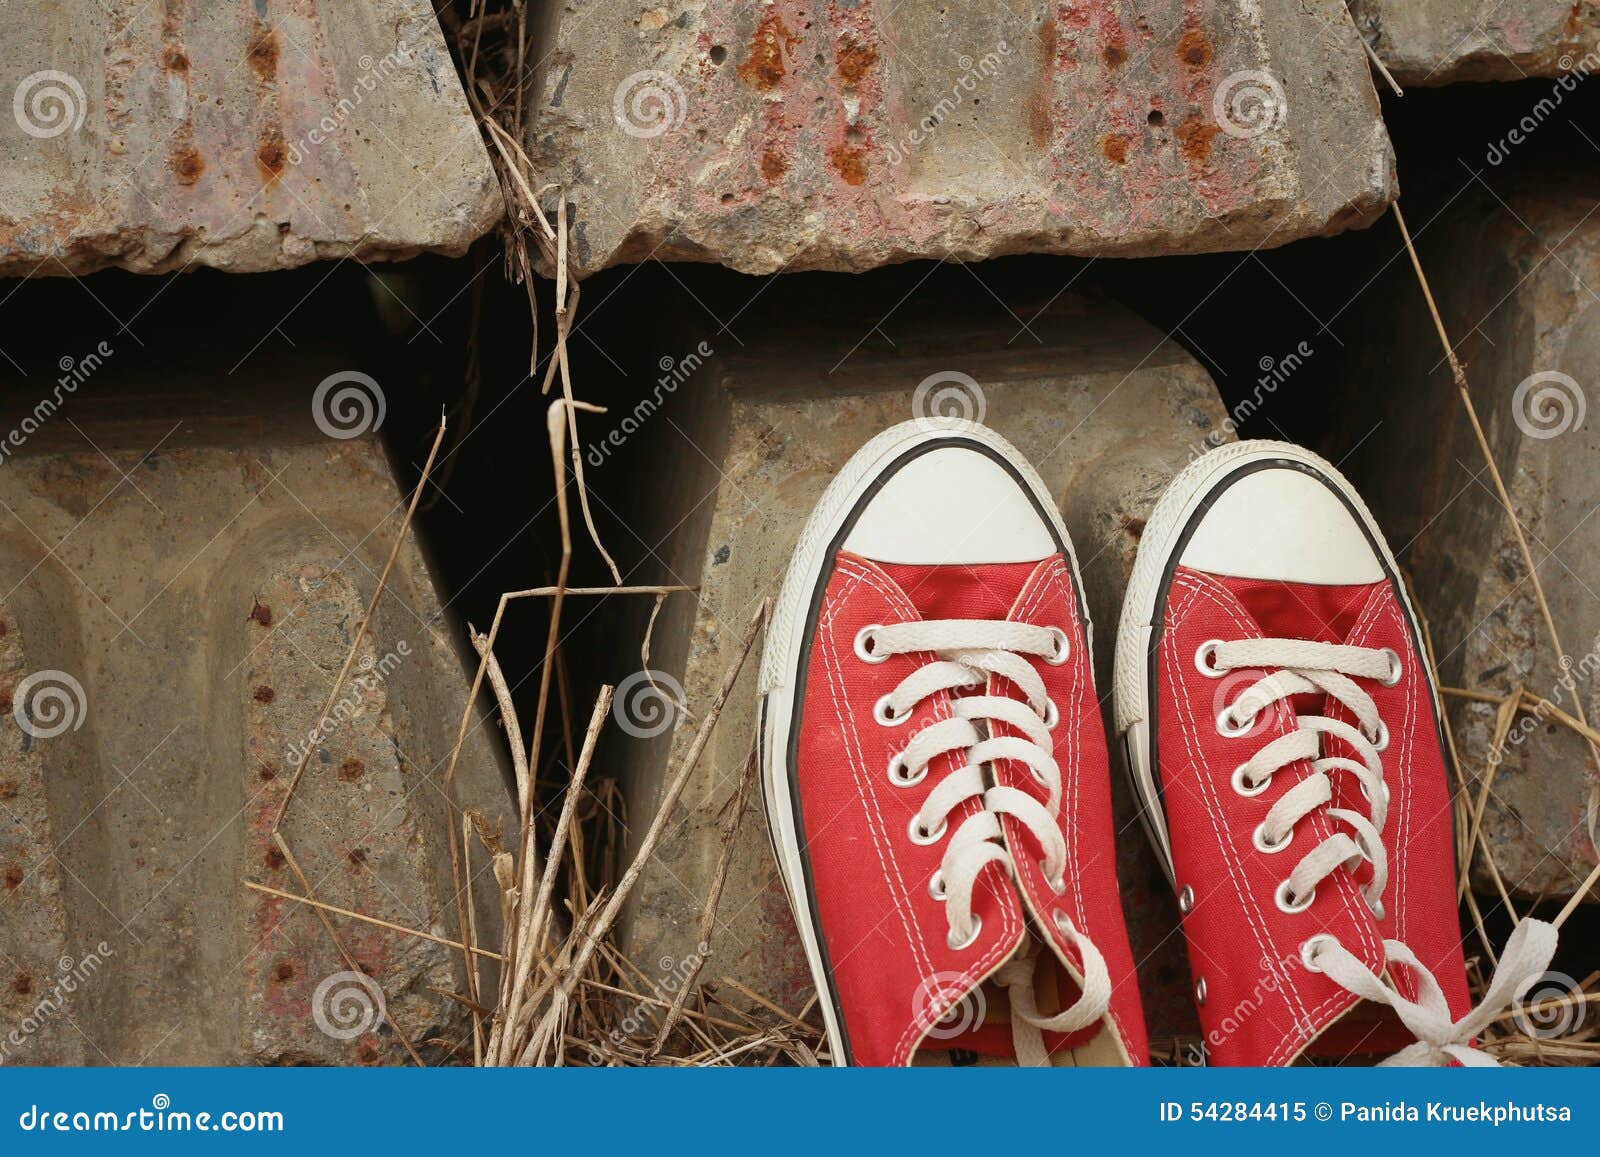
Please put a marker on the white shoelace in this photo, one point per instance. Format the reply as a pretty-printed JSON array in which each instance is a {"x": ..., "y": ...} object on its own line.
[
  {"x": 1294, "y": 667},
  {"x": 968, "y": 653}
]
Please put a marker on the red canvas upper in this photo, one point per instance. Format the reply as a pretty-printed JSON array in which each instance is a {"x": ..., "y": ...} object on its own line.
[
  {"x": 892, "y": 969},
  {"x": 1262, "y": 1004}
]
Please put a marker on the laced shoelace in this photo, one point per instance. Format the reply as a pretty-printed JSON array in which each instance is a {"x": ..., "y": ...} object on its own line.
[
  {"x": 1294, "y": 667},
  {"x": 968, "y": 653}
]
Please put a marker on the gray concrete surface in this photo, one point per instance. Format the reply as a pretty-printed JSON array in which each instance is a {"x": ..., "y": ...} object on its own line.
[
  {"x": 161, "y": 137},
  {"x": 1432, "y": 42},
  {"x": 1516, "y": 287},
  {"x": 784, "y": 135},
  {"x": 184, "y": 572}
]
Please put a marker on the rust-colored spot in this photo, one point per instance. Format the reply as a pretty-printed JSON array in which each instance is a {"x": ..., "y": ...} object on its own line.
[
  {"x": 1041, "y": 123},
  {"x": 357, "y": 857},
  {"x": 188, "y": 166},
  {"x": 773, "y": 166},
  {"x": 22, "y": 984},
  {"x": 8, "y": 789},
  {"x": 264, "y": 695},
  {"x": 270, "y": 157},
  {"x": 275, "y": 859},
  {"x": 367, "y": 1054},
  {"x": 13, "y": 877},
  {"x": 4, "y": 629},
  {"x": 173, "y": 60},
  {"x": 284, "y": 971},
  {"x": 850, "y": 162},
  {"x": 1115, "y": 149},
  {"x": 1134, "y": 526},
  {"x": 1194, "y": 49},
  {"x": 267, "y": 772},
  {"x": 1114, "y": 54},
  {"x": 260, "y": 613},
  {"x": 263, "y": 54},
  {"x": 855, "y": 59},
  {"x": 765, "y": 67},
  {"x": 1195, "y": 136},
  {"x": 351, "y": 770}
]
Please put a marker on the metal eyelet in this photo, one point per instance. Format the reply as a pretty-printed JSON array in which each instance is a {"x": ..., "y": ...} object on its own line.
[
  {"x": 1203, "y": 655},
  {"x": 1186, "y": 900},
  {"x": 1377, "y": 909},
  {"x": 956, "y": 944},
  {"x": 1291, "y": 906},
  {"x": 1309, "y": 947},
  {"x": 1259, "y": 839},
  {"x": 1396, "y": 667},
  {"x": 918, "y": 836},
  {"x": 1059, "y": 884},
  {"x": 1230, "y": 728},
  {"x": 1063, "y": 647},
  {"x": 936, "y": 885},
  {"x": 863, "y": 652},
  {"x": 1052, "y": 715},
  {"x": 1242, "y": 787},
  {"x": 1380, "y": 741},
  {"x": 881, "y": 712},
  {"x": 1200, "y": 991},
  {"x": 902, "y": 776},
  {"x": 1367, "y": 795}
]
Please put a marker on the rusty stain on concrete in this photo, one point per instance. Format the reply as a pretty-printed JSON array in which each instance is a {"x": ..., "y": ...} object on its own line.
[{"x": 764, "y": 68}]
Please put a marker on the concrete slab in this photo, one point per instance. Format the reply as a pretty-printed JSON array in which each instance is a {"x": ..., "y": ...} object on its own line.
[
  {"x": 1432, "y": 42},
  {"x": 242, "y": 137},
  {"x": 786, "y": 134},
  {"x": 182, "y": 573},
  {"x": 1516, "y": 286}
]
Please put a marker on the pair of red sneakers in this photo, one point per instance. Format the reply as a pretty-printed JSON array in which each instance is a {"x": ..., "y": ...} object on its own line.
[{"x": 938, "y": 787}]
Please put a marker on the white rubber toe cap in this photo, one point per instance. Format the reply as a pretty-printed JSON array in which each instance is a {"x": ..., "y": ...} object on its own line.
[
  {"x": 952, "y": 505},
  {"x": 1284, "y": 524}
]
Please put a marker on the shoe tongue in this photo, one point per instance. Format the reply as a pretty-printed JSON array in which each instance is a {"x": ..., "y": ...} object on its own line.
[
  {"x": 988, "y": 591},
  {"x": 1311, "y": 611}
]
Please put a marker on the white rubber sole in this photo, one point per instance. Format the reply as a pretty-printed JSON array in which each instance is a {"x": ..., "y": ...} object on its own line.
[
  {"x": 780, "y": 681},
  {"x": 1172, "y": 514}
]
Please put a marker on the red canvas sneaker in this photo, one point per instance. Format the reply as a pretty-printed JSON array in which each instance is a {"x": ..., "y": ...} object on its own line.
[
  {"x": 1281, "y": 726},
  {"x": 934, "y": 766}
]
